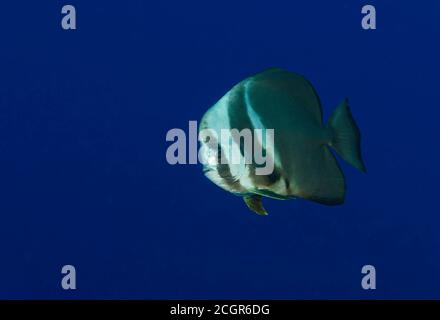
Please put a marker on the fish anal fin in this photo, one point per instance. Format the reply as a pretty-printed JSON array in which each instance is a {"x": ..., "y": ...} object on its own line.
[{"x": 255, "y": 203}]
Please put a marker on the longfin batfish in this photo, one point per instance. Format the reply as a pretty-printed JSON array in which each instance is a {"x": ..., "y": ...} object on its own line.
[{"x": 303, "y": 165}]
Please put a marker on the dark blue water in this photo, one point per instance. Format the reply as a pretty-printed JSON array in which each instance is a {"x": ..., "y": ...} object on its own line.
[{"x": 84, "y": 178}]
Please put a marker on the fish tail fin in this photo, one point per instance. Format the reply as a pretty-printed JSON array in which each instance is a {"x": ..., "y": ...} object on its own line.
[{"x": 345, "y": 136}]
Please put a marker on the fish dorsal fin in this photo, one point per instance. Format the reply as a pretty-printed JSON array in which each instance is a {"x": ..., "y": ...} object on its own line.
[
  {"x": 254, "y": 202},
  {"x": 289, "y": 89}
]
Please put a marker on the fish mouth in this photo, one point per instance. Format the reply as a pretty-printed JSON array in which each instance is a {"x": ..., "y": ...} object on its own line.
[{"x": 207, "y": 169}]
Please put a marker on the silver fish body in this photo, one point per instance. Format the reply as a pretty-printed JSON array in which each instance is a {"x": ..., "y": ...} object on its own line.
[{"x": 303, "y": 165}]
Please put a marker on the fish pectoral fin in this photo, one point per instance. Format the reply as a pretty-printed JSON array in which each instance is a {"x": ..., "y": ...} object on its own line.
[{"x": 255, "y": 203}]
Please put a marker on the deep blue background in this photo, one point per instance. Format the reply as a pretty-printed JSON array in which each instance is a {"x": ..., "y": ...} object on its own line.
[{"x": 83, "y": 174}]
